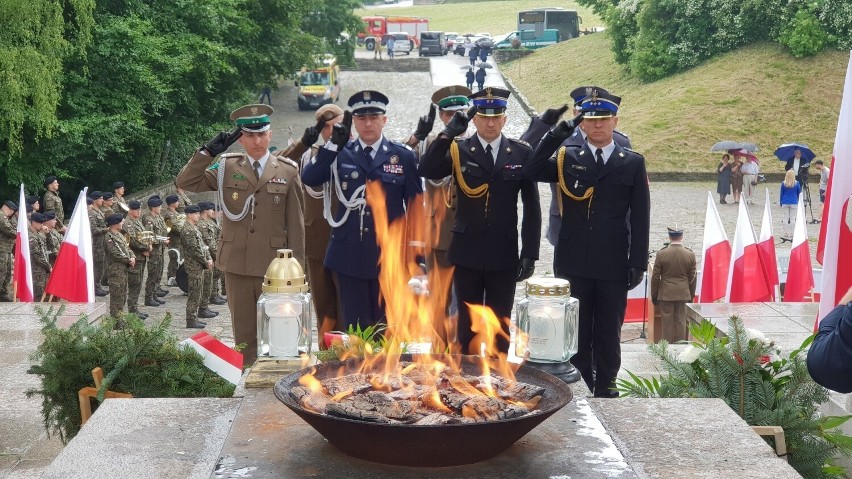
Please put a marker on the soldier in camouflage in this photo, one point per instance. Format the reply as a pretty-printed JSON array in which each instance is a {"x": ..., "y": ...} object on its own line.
[
  {"x": 108, "y": 204},
  {"x": 169, "y": 216},
  {"x": 119, "y": 260},
  {"x": 153, "y": 222},
  {"x": 196, "y": 259},
  {"x": 52, "y": 237},
  {"x": 98, "y": 226},
  {"x": 141, "y": 248},
  {"x": 38, "y": 255},
  {"x": 118, "y": 196},
  {"x": 52, "y": 202},
  {"x": 210, "y": 234},
  {"x": 8, "y": 234}
]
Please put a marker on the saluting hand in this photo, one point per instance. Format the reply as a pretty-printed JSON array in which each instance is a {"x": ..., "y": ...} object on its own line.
[
  {"x": 312, "y": 133},
  {"x": 458, "y": 123},
  {"x": 340, "y": 132},
  {"x": 552, "y": 115},
  {"x": 424, "y": 125},
  {"x": 566, "y": 128},
  {"x": 219, "y": 143}
]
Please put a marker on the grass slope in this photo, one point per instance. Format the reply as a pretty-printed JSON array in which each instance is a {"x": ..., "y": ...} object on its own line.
[
  {"x": 759, "y": 93},
  {"x": 495, "y": 17}
]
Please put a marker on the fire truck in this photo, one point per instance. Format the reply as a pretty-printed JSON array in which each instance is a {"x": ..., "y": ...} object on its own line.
[{"x": 375, "y": 27}]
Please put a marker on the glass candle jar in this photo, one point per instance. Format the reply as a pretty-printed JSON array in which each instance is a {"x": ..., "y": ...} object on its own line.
[
  {"x": 284, "y": 312},
  {"x": 548, "y": 320}
]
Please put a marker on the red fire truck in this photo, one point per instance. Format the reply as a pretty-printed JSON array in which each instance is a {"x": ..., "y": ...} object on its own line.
[{"x": 375, "y": 27}]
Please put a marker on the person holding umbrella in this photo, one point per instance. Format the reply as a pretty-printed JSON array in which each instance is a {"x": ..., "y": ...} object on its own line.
[
  {"x": 737, "y": 178},
  {"x": 750, "y": 170},
  {"x": 480, "y": 78},
  {"x": 469, "y": 77},
  {"x": 723, "y": 180}
]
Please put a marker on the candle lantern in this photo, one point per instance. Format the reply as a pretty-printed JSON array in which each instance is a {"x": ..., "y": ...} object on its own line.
[
  {"x": 548, "y": 319},
  {"x": 284, "y": 310}
]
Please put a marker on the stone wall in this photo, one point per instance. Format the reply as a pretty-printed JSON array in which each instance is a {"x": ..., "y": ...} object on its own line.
[
  {"x": 507, "y": 55},
  {"x": 403, "y": 64}
]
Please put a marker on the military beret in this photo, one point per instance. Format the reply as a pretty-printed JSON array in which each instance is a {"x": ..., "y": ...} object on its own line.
[
  {"x": 49, "y": 179},
  {"x": 31, "y": 200},
  {"x": 96, "y": 195},
  {"x": 452, "y": 98},
  {"x": 134, "y": 205},
  {"x": 368, "y": 102},
  {"x": 252, "y": 118},
  {"x": 114, "y": 219},
  {"x": 328, "y": 112},
  {"x": 117, "y": 185},
  {"x": 172, "y": 199},
  {"x": 49, "y": 215},
  {"x": 192, "y": 209},
  {"x": 205, "y": 205},
  {"x": 89, "y": 200},
  {"x": 154, "y": 201},
  {"x": 491, "y": 101},
  {"x": 600, "y": 104},
  {"x": 38, "y": 218},
  {"x": 580, "y": 93},
  {"x": 11, "y": 205},
  {"x": 107, "y": 195}
]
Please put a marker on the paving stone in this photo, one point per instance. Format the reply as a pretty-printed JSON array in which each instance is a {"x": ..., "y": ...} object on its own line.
[{"x": 29, "y": 469}]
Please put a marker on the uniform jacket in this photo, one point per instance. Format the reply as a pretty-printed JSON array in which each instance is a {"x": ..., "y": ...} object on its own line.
[
  {"x": 352, "y": 249},
  {"x": 488, "y": 240},
  {"x": 246, "y": 247},
  {"x": 174, "y": 232},
  {"x": 52, "y": 240},
  {"x": 598, "y": 239},
  {"x": 195, "y": 252},
  {"x": 830, "y": 355},
  {"x": 317, "y": 229},
  {"x": 155, "y": 224},
  {"x": 8, "y": 234},
  {"x": 209, "y": 233},
  {"x": 38, "y": 253},
  {"x": 117, "y": 251},
  {"x": 133, "y": 228},
  {"x": 52, "y": 202},
  {"x": 674, "y": 274},
  {"x": 98, "y": 226},
  {"x": 440, "y": 193}
]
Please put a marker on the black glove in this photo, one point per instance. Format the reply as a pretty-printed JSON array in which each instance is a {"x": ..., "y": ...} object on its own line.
[
  {"x": 458, "y": 123},
  {"x": 424, "y": 125},
  {"x": 526, "y": 267},
  {"x": 312, "y": 133},
  {"x": 222, "y": 141},
  {"x": 341, "y": 131},
  {"x": 634, "y": 277},
  {"x": 565, "y": 128},
  {"x": 552, "y": 115},
  {"x": 654, "y": 301}
]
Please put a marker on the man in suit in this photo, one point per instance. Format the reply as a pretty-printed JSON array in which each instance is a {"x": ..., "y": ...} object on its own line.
[
  {"x": 798, "y": 165},
  {"x": 261, "y": 197},
  {"x": 673, "y": 285},
  {"x": 487, "y": 168},
  {"x": 830, "y": 355},
  {"x": 600, "y": 251},
  {"x": 353, "y": 252}
]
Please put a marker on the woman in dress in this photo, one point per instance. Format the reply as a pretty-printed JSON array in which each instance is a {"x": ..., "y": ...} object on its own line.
[{"x": 723, "y": 181}]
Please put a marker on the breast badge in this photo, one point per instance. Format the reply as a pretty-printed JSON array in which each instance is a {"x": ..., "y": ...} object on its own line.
[{"x": 235, "y": 196}]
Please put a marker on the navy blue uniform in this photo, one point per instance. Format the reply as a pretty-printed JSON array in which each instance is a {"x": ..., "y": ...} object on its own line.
[
  {"x": 830, "y": 355},
  {"x": 353, "y": 253}
]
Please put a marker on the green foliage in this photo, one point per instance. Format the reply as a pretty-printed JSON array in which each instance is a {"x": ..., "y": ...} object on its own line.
[
  {"x": 804, "y": 35},
  {"x": 142, "y": 361},
  {"x": 745, "y": 371},
  {"x": 361, "y": 342}
]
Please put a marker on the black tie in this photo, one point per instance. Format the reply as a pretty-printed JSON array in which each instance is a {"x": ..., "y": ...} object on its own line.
[
  {"x": 367, "y": 151},
  {"x": 599, "y": 158},
  {"x": 488, "y": 150},
  {"x": 256, "y": 167}
]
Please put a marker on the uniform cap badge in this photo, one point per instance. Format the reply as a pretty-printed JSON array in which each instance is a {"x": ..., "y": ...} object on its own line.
[
  {"x": 235, "y": 196},
  {"x": 254, "y": 110},
  {"x": 488, "y": 93},
  {"x": 367, "y": 96}
]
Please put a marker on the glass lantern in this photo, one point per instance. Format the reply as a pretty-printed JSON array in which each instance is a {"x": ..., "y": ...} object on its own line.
[
  {"x": 548, "y": 318},
  {"x": 284, "y": 312}
]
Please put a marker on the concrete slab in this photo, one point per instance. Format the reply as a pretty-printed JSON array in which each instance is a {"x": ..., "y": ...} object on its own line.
[
  {"x": 695, "y": 438},
  {"x": 29, "y": 469},
  {"x": 726, "y": 310},
  {"x": 163, "y": 438}
]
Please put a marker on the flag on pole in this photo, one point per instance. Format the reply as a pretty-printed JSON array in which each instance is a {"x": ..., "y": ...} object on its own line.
[
  {"x": 766, "y": 247},
  {"x": 73, "y": 277},
  {"x": 835, "y": 245},
  {"x": 218, "y": 357},
  {"x": 800, "y": 273},
  {"x": 22, "y": 277},
  {"x": 715, "y": 256},
  {"x": 746, "y": 279}
]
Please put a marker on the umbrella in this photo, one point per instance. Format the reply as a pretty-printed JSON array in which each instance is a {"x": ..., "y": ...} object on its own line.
[
  {"x": 485, "y": 43},
  {"x": 483, "y": 65},
  {"x": 466, "y": 67},
  {"x": 743, "y": 153},
  {"x": 786, "y": 151},
  {"x": 726, "y": 145},
  {"x": 750, "y": 147}
]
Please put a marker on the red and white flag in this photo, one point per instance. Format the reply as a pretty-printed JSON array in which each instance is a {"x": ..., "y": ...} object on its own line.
[
  {"x": 73, "y": 277},
  {"x": 218, "y": 357},
  {"x": 22, "y": 277},
  {"x": 800, "y": 273},
  {"x": 835, "y": 241},
  {"x": 766, "y": 247},
  {"x": 746, "y": 279},
  {"x": 715, "y": 256}
]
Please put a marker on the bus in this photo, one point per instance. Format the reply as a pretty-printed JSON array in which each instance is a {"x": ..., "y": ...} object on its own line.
[{"x": 567, "y": 22}]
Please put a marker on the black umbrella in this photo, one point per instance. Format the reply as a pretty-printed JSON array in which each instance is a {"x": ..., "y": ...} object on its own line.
[{"x": 726, "y": 145}]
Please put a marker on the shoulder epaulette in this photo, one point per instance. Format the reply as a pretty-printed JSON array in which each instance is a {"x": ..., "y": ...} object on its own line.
[
  {"x": 618, "y": 132},
  {"x": 288, "y": 161},
  {"x": 634, "y": 152},
  {"x": 522, "y": 142}
]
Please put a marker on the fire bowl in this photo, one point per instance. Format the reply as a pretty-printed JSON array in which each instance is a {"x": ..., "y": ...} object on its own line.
[{"x": 426, "y": 446}]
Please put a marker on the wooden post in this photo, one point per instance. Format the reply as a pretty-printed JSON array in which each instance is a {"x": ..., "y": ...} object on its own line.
[
  {"x": 86, "y": 395},
  {"x": 777, "y": 432}
]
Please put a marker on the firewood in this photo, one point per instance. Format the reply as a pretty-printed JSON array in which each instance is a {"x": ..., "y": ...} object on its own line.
[
  {"x": 357, "y": 383},
  {"x": 310, "y": 400},
  {"x": 349, "y": 412}
]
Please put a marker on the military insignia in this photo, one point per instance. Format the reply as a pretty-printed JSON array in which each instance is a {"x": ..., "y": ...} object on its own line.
[
  {"x": 254, "y": 110},
  {"x": 621, "y": 154},
  {"x": 394, "y": 159},
  {"x": 276, "y": 199},
  {"x": 453, "y": 89},
  {"x": 384, "y": 147},
  {"x": 581, "y": 152},
  {"x": 214, "y": 166},
  {"x": 393, "y": 169},
  {"x": 579, "y": 167},
  {"x": 238, "y": 176},
  {"x": 344, "y": 185},
  {"x": 367, "y": 96},
  {"x": 594, "y": 94},
  {"x": 278, "y": 181},
  {"x": 508, "y": 149},
  {"x": 355, "y": 175},
  {"x": 472, "y": 148},
  {"x": 488, "y": 93},
  {"x": 235, "y": 196},
  {"x": 589, "y": 90}
]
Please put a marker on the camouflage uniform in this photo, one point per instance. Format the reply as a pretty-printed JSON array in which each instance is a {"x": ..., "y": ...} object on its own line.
[
  {"x": 118, "y": 255},
  {"x": 183, "y": 202},
  {"x": 195, "y": 256},
  {"x": 134, "y": 274},
  {"x": 8, "y": 233},
  {"x": 106, "y": 211},
  {"x": 53, "y": 240},
  {"x": 40, "y": 263},
  {"x": 174, "y": 242},
  {"x": 210, "y": 238},
  {"x": 52, "y": 202},
  {"x": 155, "y": 224},
  {"x": 98, "y": 226}
]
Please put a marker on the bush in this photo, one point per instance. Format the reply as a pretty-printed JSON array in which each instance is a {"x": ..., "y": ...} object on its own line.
[
  {"x": 804, "y": 35},
  {"x": 143, "y": 361}
]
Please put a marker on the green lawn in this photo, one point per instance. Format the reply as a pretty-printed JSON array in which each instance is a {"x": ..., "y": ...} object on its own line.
[
  {"x": 495, "y": 17},
  {"x": 759, "y": 93}
]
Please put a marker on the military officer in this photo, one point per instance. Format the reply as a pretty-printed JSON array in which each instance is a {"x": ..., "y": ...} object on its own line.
[
  {"x": 213, "y": 221},
  {"x": 208, "y": 236},
  {"x": 353, "y": 253},
  {"x": 118, "y": 197},
  {"x": 603, "y": 243},
  {"x": 52, "y": 201},
  {"x": 153, "y": 222},
  {"x": 120, "y": 259},
  {"x": 52, "y": 237},
  {"x": 38, "y": 255},
  {"x": 261, "y": 196},
  {"x": 170, "y": 217},
  {"x": 141, "y": 246},
  {"x": 98, "y": 226},
  {"x": 673, "y": 285},
  {"x": 8, "y": 234},
  {"x": 196, "y": 260},
  {"x": 487, "y": 168},
  {"x": 108, "y": 204}
]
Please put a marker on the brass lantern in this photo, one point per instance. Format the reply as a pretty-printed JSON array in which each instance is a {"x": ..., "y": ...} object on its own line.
[{"x": 284, "y": 310}]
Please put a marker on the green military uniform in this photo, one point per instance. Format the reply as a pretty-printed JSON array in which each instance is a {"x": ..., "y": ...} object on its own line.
[
  {"x": 97, "y": 224},
  {"x": 53, "y": 240},
  {"x": 175, "y": 250},
  {"x": 52, "y": 202},
  {"x": 39, "y": 258},
  {"x": 195, "y": 257},
  {"x": 134, "y": 227},
  {"x": 118, "y": 256},
  {"x": 155, "y": 224},
  {"x": 8, "y": 234},
  {"x": 209, "y": 235},
  {"x": 673, "y": 282}
]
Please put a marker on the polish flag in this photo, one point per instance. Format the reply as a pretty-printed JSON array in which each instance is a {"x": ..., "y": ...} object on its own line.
[
  {"x": 73, "y": 277},
  {"x": 22, "y": 277},
  {"x": 800, "y": 273},
  {"x": 746, "y": 279},
  {"x": 835, "y": 242},
  {"x": 766, "y": 247},
  {"x": 218, "y": 357},
  {"x": 715, "y": 256}
]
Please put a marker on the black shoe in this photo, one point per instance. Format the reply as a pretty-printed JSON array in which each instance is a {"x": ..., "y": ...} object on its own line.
[
  {"x": 139, "y": 315},
  {"x": 158, "y": 300},
  {"x": 195, "y": 324},
  {"x": 206, "y": 313},
  {"x": 100, "y": 292},
  {"x": 151, "y": 302},
  {"x": 160, "y": 293},
  {"x": 217, "y": 300}
]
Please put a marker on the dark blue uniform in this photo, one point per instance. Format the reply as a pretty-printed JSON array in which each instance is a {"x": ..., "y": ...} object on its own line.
[
  {"x": 830, "y": 355},
  {"x": 353, "y": 253}
]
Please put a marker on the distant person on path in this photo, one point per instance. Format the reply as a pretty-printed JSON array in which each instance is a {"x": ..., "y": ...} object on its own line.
[
  {"x": 824, "y": 171},
  {"x": 266, "y": 93},
  {"x": 830, "y": 355},
  {"x": 750, "y": 170},
  {"x": 469, "y": 78},
  {"x": 737, "y": 179},
  {"x": 483, "y": 53},
  {"x": 377, "y": 52},
  {"x": 723, "y": 181},
  {"x": 673, "y": 285},
  {"x": 391, "y": 43},
  {"x": 474, "y": 52},
  {"x": 480, "y": 79},
  {"x": 790, "y": 190}
]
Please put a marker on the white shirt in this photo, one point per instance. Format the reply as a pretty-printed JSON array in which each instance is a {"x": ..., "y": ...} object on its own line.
[
  {"x": 495, "y": 146},
  {"x": 262, "y": 162},
  {"x": 375, "y": 146},
  {"x": 607, "y": 150},
  {"x": 795, "y": 167},
  {"x": 750, "y": 168}
]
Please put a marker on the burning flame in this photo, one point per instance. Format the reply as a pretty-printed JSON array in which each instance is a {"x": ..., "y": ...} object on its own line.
[{"x": 311, "y": 382}]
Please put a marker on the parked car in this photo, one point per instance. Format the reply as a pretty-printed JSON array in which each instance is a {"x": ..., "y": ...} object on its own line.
[
  {"x": 401, "y": 42},
  {"x": 432, "y": 43},
  {"x": 451, "y": 39},
  {"x": 458, "y": 47}
]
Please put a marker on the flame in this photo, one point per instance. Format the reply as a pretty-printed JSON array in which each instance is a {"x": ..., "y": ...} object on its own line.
[
  {"x": 341, "y": 395},
  {"x": 433, "y": 399},
  {"x": 311, "y": 382}
]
